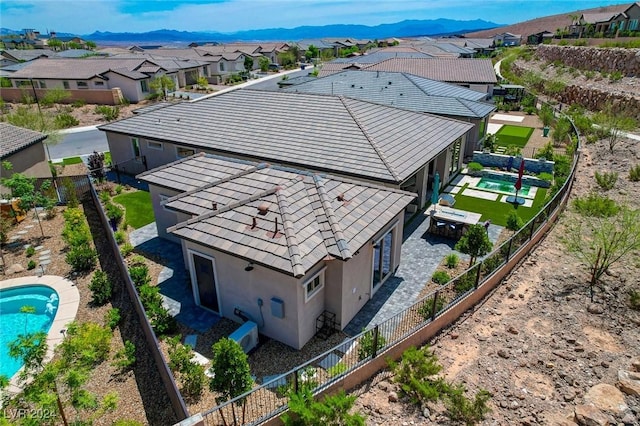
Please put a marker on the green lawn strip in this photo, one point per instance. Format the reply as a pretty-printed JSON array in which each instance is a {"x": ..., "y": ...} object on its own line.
[
  {"x": 138, "y": 208},
  {"x": 513, "y": 135},
  {"x": 497, "y": 211},
  {"x": 70, "y": 160}
]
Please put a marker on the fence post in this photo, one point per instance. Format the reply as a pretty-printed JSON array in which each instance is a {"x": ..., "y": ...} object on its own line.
[
  {"x": 479, "y": 266},
  {"x": 509, "y": 250},
  {"x": 435, "y": 303},
  {"x": 295, "y": 381},
  {"x": 533, "y": 228},
  {"x": 374, "y": 351}
]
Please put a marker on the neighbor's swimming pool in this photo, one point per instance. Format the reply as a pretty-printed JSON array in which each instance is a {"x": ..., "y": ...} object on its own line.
[
  {"x": 45, "y": 301},
  {"x": 502, "y": 186}
]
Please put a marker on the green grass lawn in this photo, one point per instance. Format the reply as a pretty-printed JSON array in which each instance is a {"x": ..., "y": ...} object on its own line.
[
  {"x": 497, "y": 211},
  {"x": 513, "y": 135},
  {"x": 138, "y": 208},
  {"x": 71, "y": 160}
]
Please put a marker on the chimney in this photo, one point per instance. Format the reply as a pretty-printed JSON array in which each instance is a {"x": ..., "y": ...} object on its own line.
[
  {"x": 214, "y": 205},
  {"x": 263, "y": 209}
]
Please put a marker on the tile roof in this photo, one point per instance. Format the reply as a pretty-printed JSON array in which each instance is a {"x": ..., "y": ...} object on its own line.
[
  {"x": 400, "y": 90},
  {"x": 459, "y": 70},
  {"x": 29, "y": 54},
  {"x": 316, "y": 215},
  {"x": 83, "y": 69},
  {"x": 375, "y": 57},
  {"x": 14, "y": 139},
  {"x": 318, "y": 132},
  {"x": 594, "y": 18}
]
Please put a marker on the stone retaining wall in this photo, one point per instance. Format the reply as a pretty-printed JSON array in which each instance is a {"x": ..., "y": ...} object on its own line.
[
  {"x": 531, "y": 165},
  {"x": 626, "y": 61}
]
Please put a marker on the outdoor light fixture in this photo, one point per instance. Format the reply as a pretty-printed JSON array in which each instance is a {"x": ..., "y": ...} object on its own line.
[{"x": 249, "y": 267}]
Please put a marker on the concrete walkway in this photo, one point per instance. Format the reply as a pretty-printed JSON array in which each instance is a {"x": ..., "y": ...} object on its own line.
[{"x": 421, "y": 254}]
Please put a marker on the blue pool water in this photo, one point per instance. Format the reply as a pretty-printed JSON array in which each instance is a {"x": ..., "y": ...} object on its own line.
[
  {"x": 45, "y": 301},
  {"x": 502, "y": 186}
]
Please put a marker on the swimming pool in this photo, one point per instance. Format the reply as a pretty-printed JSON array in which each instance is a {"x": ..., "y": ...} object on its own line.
[
  {"x": 502, "y": 186},
  {"x": 43, "y": 299}
]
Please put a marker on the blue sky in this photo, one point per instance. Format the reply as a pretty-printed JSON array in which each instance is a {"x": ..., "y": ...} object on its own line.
[{"x": 87, "y": 16}]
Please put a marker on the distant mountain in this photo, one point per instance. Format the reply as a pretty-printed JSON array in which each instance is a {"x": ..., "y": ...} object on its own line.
[{"x": 399, "y": 29}]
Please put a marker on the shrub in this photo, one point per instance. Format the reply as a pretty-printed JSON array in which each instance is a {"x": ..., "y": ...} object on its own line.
[
  {"x": 367, "y": 346},
  {"x": 126, "y": 249},
  {"x": 426, "y": 310},
  {"x": 114, "y": 212},
  {"x": 65, "y": 120},
  {"x": 120, "y": 237},
  {"x": 634, "y": 299},
  {"x": 474, "y": 167},
  {"x": 546, "y": 152},
  {"x": 465, "y": 283},
  {"x": 417, "y": 373},
  {"x": 96, "y": 166},
  {"x": 634, "y": 173},
  {"x": 125, "y": 358},
  {"x": 338, "y": 368},
  {"x": 162, "y": 321},
  {"x": 109, "y": 113},
  {"x": 615, "y": 76},
  {"x": 70, "y": 192},
  {"x": 193, "y": 380},
  {"x": 119, "y": 189},
  {"x": 31, "y": 264},
  {"x": 464, "y": 410},
  {"x": 547, "y": 177},
  {"x": 514, "y": 222},
  {"x": 87, "y": 344},
  {"x": 112, "y": 318},
  {"x": 331, "y": 410},
  {"x": 30, "y": 251},
  {"x": 606, "y": 180},
  {"x": 101, "y": 288},
  {"x": 139, "y": 275},
  {"x": 82, "y": 258},
  {"x": 452, "y": 260},
  {"x": 440, "y": 277},
  {"x": 105, "y": 196},
  {"x": 596, "y": 205},
  {"x": 78, "y": 103}
]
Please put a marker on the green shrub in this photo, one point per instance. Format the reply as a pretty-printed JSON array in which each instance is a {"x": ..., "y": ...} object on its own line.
[
  {"x": 336, "y": 369},
  {"x": 547, "y": 177},
  {"x": 193, "y": 380},
  {"x": 440, "y": 277},
  {"x": 634, "y": 173},
  {"x": 367, "y": 345},
  {"x": 465, "y": 283},
  {"x": 119, "y": 189},
  {"x": 335, "y": 409},
  {"x": 82, "y": 258},
  {"x": 87, "y": 344},
  {"x": 606, "y": 180},
  {"x": 452, "y": 260},
  {"x": 65, "y": 120},
  {"x": 78, "y": 103},
  {"x": 474, "y": 167},
  {"x": 109, "y": 113},
  {"x": 31, "y": 264},
  {"x": 615, "y": 76},
  {"x": 120, "y": 237},
  {"x": 139, "y": 275},
  {"x": 634, "y": 299},
  {"x": 126, "y": 249},
  {"x": 112, "y": 318},
  {"x": 464, "y": 410},
  {"x": 162, "y": 321},
  {"x": 125, "y": 358},
  {"x": 596, "y": 205},
  {"x": 417, "y": 373},
  {"x": 30, "y": 251},
  {"x": 101, "y": 288},
  {"x": 514, "y": 222},
  {"x": 114, "y": 212},
  {"x": 426, "y": 310},
  {"x": 105, "y": 196}
]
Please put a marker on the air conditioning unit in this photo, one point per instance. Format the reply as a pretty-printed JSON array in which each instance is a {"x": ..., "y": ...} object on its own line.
[{"x": 246, "y": 336}]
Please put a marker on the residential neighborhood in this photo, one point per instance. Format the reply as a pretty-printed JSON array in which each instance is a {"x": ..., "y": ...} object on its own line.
[{"x": 253, "y": 231}]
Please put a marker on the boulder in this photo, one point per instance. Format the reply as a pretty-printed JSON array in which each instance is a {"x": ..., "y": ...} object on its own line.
[
  {"x": 15, "y": 269},
  {"x": 629, "y": 382},
  {"x": 607, "y": 398},
  {"x": 589, "y": 415}
]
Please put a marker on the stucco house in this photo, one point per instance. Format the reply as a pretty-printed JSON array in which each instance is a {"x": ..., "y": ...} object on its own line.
[
  {"x": 346, "y": 137},
  {"x": 507, "y": 39},
  {"x": 24, "y": 149},
  {"x": 276, "y": 245},
  {"x": 410, "y": 92}
]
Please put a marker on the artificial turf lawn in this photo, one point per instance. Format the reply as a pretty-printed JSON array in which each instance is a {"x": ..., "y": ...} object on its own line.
[
  {"x": 71, "y": 160},
  {"x": 513, "y": 135},
  {"x": 138, "y": 208},
  {"x": 497, "y": 211}
]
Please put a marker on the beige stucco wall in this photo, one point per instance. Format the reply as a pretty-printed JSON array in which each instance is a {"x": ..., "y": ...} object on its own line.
[
  {"x": 31, "y": 161},
  {"x": 164, "y": 217}
]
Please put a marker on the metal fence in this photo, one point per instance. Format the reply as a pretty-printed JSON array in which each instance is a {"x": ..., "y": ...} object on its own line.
[
  {"x": 448, "y": 302},
  {"x": 62, "y": 184}
]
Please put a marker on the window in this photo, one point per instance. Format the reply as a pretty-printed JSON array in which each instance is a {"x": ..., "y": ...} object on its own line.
[
  {"x": 144, "y": 86},
  {"x": 99, "y": 83},
  {"x": 82, "y": 85},
  {"x": 633, "y": 24},
  {"x": 455, "y": 157},
  {"x": 154, "y": 145},
  {"x": 65, "y": 84},
  {"x": 135, "y": 146},
  {"x": 182, "y": 152},
  {"x": 22, "y": 83},
  {"x": 43, "y": 84},
  {"x": 221, "y": 66},
  {"x": 314, "y": 285}
]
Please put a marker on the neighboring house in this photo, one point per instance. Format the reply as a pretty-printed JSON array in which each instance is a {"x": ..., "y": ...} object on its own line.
[
  {"x": 474, "y": 74},
  {"x": 626, "y": 21},
  {"x": 379, "y": 55},
  {"x": 342, "y": 136},
  {"x": 408, "y": 92},
  {"x": 481, "y": 46},
  {"x": 541, "y": 37},
  {"x": 507, "y": 39},
  {"x": 24, "y": 149},
  {"x": 276, "y": 245},
  {"x": 16, "y": 56},
  {"x": 100, "y": 80}
]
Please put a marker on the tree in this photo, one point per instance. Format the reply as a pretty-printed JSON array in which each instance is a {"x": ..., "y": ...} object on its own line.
[
  {"x": 474, "y": 243},
  {"x": 54, "y": 44},
  {"x": 31, "y": 349},
  {"x": 546, "y": 115},
  {"x": 163, "y": 84},
  {"x": 514, "y": 222},
  {"x": 263, "y": 62},
  {"x": 287, "y": 59},
  {"x": 248, "y": 64},
  {"x": 231, "y": 373},
  {"x": 602, "y": 242},
  {"x": 311, "y": 53},
  {"x": 90, "y": 44},
  {"x": 203, "y": 83},
  {"x": 561, "y": 131},
  {"x": 613, "y": 124}
]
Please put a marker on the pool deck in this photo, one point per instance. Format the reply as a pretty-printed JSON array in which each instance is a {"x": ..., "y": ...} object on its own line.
[{"x": 68, "y": 302}]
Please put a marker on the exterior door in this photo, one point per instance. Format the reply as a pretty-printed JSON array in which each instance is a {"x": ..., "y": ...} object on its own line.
[
  {"x": 382, "y": 253},
  {"x": 204, "y": 278}
]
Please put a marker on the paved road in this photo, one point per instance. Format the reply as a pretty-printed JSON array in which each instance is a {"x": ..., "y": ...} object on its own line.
[{"x": 75, "y": 143}]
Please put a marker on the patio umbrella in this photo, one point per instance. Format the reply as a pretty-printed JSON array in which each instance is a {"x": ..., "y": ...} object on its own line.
[
  {"x": 518, "y": 184},
  {"x": 510, "y": 164},
  {"x": 436, "y": 186}
]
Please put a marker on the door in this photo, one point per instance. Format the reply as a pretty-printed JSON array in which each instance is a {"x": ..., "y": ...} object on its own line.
[
  {"x": 382, "y": 254},
  {"x": 204, "y": 278}
]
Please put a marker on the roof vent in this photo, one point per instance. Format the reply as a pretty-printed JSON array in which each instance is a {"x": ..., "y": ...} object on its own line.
[
  {"x": 390, "y": 83},
  {"x": 254, "y": 225},
  {"x": 275, "y": 233},
  {"x": 343, "y": 199},
  {"x": 214, "y": 205},
  {"x": 263, "y": 209}
]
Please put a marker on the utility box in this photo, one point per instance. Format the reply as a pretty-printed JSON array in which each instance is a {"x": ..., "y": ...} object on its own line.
[{"x": 277, "y": 307}]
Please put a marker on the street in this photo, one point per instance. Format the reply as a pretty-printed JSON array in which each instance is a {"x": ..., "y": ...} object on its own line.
[{"x": 79, "y": 143}]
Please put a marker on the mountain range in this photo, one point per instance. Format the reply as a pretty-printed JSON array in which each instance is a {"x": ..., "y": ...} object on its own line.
[{"x": 405, "y": 28}]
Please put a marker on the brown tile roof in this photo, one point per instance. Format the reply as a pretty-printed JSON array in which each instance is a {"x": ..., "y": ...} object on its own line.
[
  {"x": 316, "y": 215},
  {"x": 82, "y": 69},
  {"x": 14, "y": 139},
  {"x": 458, "y": 70},
  {"x": 317, "y": 132}
]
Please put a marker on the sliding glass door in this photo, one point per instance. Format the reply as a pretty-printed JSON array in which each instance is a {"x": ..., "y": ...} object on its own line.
[{"x": 382, "y": 253}]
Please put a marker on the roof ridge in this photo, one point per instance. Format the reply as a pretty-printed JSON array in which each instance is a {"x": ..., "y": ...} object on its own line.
[
  {"x": 289, "y": 233},
  {"x": 370, "y": 139},
  {"x": 336, "y": 228},
  {"x": 241, "y": 173},
  {"x": 224, "y": 209}
]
